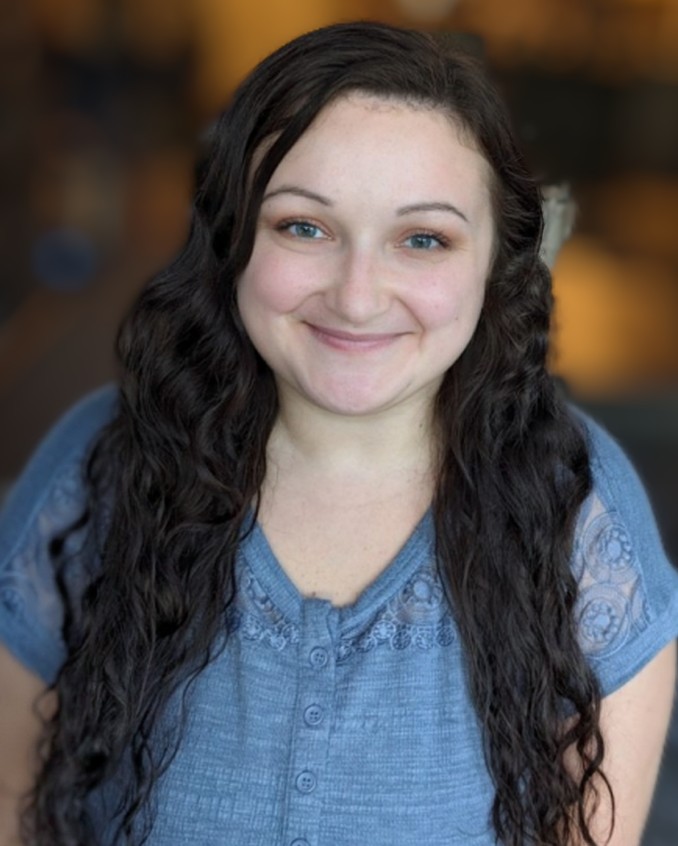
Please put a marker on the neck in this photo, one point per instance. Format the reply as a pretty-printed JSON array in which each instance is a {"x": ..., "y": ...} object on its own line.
[{"x": 388, "y": 443}]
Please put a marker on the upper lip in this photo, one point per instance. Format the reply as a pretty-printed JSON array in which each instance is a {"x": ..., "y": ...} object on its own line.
[{"x": 353, "y": 336}]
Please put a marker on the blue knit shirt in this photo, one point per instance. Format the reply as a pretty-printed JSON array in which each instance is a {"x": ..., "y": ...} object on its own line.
[{"x": 326, "y": 726}]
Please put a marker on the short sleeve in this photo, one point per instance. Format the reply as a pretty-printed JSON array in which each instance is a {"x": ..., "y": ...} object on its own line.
[
  {"x": 48, "y": 497},
  {"x": 627, "y": 608}
]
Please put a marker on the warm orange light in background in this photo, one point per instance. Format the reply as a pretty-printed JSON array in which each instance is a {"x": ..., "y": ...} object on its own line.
[
  {"x": 615, "y": 321},
  {"x": 614, "y": 39},
  {"x": 427, "y": 10},
  {"x": 638, "y": 212},
  {"x": 617, "y": 297},
  {"x": 158, "y": 30},
  {"x": 233, "y": 35},
  {"x": 617, "y": 293}
]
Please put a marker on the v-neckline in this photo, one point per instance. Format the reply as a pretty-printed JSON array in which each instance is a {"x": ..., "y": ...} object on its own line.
[{"x": 416, "y": 552}]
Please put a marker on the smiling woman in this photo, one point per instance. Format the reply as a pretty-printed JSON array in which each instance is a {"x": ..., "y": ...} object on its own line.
[
  {"x": 336, "y": 563},
  {"x": 358, "y": 298}
]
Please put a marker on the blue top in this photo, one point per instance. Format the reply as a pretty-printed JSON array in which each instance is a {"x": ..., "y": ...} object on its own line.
[{"x": 326, "y": 726}]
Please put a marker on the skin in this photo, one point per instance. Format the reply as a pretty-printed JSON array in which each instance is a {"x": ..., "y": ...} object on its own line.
[
  {"x": 634, "y": 721},
  {"x": 373, "y": 246},
  {"x": 365, "y": 284},
  {"x": 20, "y": 726}
]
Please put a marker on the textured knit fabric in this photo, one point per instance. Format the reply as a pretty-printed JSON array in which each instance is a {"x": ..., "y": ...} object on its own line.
[{"x": 325, "y": 726}]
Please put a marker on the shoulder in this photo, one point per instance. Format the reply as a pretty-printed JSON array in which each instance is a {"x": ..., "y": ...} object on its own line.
[
  {"x": 76, "y": 428},
  {"x": 54, "y": 462},
  {"x": 46, "y": 499},
  {"x": 64, "y": 446},
  {"x": 627, "y": 608},
  {"x": 614, "y": 475}
]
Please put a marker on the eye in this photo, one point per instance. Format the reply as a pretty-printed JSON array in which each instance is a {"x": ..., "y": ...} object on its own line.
[
  {"x": 426, "y": 241},
  {"x": 301, "y": 229}
]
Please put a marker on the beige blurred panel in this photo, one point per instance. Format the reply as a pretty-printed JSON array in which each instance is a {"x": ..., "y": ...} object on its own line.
[
  {"x": 615, "y": 321},
  {"x": 427, "y": 11}
]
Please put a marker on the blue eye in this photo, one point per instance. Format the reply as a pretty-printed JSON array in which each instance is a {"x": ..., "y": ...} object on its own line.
[
  {"x": 302, "y": 229},
  {"x": 425, "y": 241}
]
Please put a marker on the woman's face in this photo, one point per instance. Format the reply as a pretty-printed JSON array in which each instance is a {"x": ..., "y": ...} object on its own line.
[{"x": 373, "y": 245}]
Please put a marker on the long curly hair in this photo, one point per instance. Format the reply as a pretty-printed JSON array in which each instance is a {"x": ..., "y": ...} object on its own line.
[{"x": 173, "y": 478}]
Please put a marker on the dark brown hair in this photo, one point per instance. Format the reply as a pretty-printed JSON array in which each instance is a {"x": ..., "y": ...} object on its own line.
[{"x": 185, "y": 458}]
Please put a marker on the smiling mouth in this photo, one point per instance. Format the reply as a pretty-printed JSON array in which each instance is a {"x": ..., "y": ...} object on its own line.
[{"x": 351, "y": 340}]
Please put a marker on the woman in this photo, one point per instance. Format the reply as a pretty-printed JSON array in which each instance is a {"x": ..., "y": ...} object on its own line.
[{"x": 346, "y": 568}]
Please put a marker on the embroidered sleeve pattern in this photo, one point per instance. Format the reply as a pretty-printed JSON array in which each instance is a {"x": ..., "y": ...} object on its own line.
[
  {"x": 612, "y": 604},
  {"x": 27, "y": 587}
]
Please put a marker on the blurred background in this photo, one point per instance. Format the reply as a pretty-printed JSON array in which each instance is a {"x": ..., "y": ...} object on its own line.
[{"x": 105, "y": 103}]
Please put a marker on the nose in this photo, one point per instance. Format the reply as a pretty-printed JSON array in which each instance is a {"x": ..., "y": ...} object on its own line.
[{"x": 359, "y": 291}]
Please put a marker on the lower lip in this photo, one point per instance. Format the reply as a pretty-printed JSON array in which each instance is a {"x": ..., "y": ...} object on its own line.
[{"x": 340, "y": 342}]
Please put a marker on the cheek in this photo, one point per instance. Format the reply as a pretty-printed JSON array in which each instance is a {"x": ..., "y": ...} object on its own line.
[
  {"x": 266, "y": 287},
  {"x": 451, "y": 305},
  {"x": 271, "y": 285}
]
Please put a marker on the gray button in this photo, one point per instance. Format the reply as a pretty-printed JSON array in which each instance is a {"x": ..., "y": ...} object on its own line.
[
  {"x": 300, "y": 841},
  {"x": 306, "y": 782},
  {"x": 313, "y": 715},
  {"x": 318, "y": 657}
]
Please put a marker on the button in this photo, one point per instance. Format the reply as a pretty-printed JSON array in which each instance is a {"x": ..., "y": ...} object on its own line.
[
  {"x": 300, "y": 841},
  {"x": 318, "y": 657},
  {"x": 305, "y": 782},
  {"x": 313, "y": 715}
]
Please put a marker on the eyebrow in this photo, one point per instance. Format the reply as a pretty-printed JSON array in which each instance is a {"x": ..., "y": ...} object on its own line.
[
  {"x": 403, "y": 210},
  {"x": 298, "y": 192},
  {"x": 423, "y": 207}
]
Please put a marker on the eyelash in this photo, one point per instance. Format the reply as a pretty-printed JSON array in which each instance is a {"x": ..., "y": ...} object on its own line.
[
  {"x": 443, "y": 241},
  {"x": 286, "y": 225}
]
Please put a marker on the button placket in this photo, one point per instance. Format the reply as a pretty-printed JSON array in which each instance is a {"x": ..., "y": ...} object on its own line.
[{"x": 312, "y": 720}]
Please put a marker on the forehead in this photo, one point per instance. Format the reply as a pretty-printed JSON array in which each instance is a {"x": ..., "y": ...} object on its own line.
[{"x": 380, "y": 142}]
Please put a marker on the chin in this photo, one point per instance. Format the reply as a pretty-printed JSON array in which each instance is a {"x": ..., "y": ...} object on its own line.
[{"x": 357, "y": 403}]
